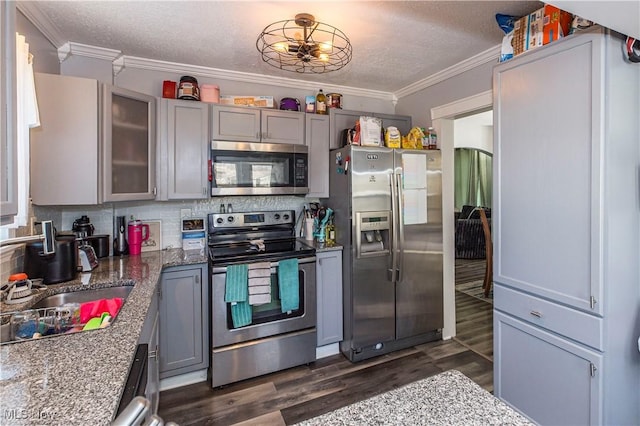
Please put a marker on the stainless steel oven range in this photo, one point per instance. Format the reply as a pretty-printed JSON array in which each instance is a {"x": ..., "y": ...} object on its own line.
[{"x": 263, "y": 295}]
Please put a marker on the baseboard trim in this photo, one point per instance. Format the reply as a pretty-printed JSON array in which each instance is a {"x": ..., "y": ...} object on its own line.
[
  {"x": 183, "y": 380},
  {"x": 327, "y": 350}
]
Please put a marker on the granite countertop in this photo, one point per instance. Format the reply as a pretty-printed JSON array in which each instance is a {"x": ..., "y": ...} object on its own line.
[
  {"x": 78, "y": 378},
  {"x": 449, "y": 398}
]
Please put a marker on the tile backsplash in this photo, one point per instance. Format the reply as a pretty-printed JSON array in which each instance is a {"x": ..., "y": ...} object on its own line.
[{"x": 169, "y": 213}]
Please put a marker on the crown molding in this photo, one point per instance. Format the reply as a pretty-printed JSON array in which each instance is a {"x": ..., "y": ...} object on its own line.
[
  {"x": 65, "y": 48},
  {"x": 31, "y": 11},
  {"x": 78, "y": 49},
  {"x": 178, "y": 68},
  {"x": 481, "y": 58},
  {"x": 463, "y": 106}
]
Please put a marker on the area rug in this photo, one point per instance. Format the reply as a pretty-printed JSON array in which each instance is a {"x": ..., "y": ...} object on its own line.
[
  {"x": 474, "y": 289},
  {"x": 448, "y": 398}
]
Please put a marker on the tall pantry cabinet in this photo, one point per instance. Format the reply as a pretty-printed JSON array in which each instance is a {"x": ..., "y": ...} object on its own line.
[{"x": 566, "y": 230}]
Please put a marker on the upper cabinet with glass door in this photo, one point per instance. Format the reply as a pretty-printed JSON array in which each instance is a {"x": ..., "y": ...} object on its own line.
[
  {"x": 129, "y": 145},
  {"x": 96, "y": 143}
]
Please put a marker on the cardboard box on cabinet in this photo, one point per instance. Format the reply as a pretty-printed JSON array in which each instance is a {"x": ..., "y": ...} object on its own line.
[
  {"x": 541, "y": 27},
  {"x": 254, "y": 101}
]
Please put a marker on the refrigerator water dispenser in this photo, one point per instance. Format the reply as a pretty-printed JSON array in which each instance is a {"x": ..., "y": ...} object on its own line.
[{"x": 373, "y": 231}]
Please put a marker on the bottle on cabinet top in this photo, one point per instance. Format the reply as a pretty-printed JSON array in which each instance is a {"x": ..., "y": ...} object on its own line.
[{"x": 321, "y": 103}]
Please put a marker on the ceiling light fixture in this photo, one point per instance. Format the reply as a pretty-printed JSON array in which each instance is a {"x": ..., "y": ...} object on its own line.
[{"x": 304, "y": 45}]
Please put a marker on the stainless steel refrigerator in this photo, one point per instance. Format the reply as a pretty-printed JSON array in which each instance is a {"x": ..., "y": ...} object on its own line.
[{"x": 388, "y": 216}]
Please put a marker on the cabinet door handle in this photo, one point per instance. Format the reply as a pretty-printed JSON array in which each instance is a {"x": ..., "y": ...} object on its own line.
[
  {"x": 153, "y": 354},
  {"x": 536, "y": 314}
]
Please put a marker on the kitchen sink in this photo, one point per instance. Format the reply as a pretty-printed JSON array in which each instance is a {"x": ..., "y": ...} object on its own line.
[
  {"x": 52, "y": 316},
  {"x": 82, "y": 296}
]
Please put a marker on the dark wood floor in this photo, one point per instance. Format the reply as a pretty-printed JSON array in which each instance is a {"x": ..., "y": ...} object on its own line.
[
  {"x": 300, "y": 393},
  {"x": 474, "y": 315}
]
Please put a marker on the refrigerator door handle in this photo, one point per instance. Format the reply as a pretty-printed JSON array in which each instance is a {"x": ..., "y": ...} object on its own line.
[
  {"x": 394, "y": 230},
  {"x": 400, "y": 224}
]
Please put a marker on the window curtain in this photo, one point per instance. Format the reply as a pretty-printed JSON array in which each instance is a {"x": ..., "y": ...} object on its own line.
[
  {"x": 27, "y": 117},
  {"x": 473, "y": 178}
]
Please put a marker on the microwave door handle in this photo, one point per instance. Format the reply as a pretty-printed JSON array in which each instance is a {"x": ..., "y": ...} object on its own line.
[
  {"x": 400, "y": 223},
  {"x": 394, "y": 233}
]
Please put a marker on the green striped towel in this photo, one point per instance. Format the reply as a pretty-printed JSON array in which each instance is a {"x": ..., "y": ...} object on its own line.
[
  {"x": 236, "y": 284},
  {"x": 236, "y": 292},
  {"x": 289, "y": 284},
  {"x": 240, "y": 314}
]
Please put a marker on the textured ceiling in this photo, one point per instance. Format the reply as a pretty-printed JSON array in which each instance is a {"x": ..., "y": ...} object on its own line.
[{"x": 395, "y": 43}]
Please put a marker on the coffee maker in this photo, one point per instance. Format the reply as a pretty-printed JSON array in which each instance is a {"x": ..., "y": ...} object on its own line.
[{"x": 120, "y": 245}]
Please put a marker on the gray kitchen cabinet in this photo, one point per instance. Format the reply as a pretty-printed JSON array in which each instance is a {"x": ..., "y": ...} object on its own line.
[
  {"x": 8, "y": 141},
  {"x": 329, "y": 290},
  {"x": 96, "y": 143},
  {"x": 183, "y": 150},
  {"x": 345, "y": 119},
  {"x": 283, "y": 126},
  {"x": 566, "y": 228},
  {"x": 150, "y": 335},
  {"x": 247, "y": 124},
  {"x": 317, "y": 139},
  {"x": 549, "y": 379},
  {"x": 184, "y": 312}
]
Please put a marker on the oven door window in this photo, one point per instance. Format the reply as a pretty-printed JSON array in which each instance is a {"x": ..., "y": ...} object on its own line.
[
  {"x": 270, "y": 312},
  {"x": 252, "y": 170}
]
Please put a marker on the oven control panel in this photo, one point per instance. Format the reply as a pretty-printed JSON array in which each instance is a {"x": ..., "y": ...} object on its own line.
[{"x": 249, "y": 219}]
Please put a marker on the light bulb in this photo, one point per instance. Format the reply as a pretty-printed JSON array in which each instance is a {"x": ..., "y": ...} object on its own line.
[
  {"x": 323, "y": 57},
  {"x": 325, "y": 45},
  {"x": 281, "y": 47}
]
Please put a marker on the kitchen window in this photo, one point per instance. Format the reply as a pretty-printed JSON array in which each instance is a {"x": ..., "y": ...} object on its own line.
[{"x": 21, "y": 115}]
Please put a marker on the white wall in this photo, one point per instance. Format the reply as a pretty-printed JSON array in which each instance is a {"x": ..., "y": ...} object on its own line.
[
  {"x": 418, "y": 105},
  {"x": 474, "y": 131},
  {"x": 44, "y": 53}
]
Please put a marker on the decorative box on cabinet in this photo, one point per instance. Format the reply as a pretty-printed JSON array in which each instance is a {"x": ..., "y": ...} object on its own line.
[
  {"x": 183, "y": 151},
  {"x": 317, "y": 139},
  {"x": 8, "y": 141},
  {"x": 184, "y": 313},
  {"x": 345, "y": 119},
  {"x": 329, "y": 289},
  {"x": 246, "y": 124},
  {"x": 566, "y": 228},
  {"x": 96, "y": 143}
]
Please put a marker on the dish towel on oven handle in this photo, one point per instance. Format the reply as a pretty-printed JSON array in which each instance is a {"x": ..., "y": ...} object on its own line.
[
  {"x": 236, "y": 293},
  {"x": 289, "y": 284},
  {"x": 259, "y": 283}
]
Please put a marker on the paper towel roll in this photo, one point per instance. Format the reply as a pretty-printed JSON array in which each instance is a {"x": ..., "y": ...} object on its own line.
[
  {"x": 308, "y": 229},
  {"x": 371, "y": 247}
]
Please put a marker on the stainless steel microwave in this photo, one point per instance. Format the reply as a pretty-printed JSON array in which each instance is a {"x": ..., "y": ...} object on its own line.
[{"x": 246, "y": 168}]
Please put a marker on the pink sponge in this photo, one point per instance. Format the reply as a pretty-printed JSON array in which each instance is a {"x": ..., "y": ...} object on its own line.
[{"x": 95, "y": 308}]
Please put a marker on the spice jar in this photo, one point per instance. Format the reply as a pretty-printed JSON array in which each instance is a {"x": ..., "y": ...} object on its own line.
[{"x": 188, "y": 88}]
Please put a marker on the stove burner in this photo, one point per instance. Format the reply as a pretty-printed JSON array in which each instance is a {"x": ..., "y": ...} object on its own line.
[{"x": 255, "y": 236}]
